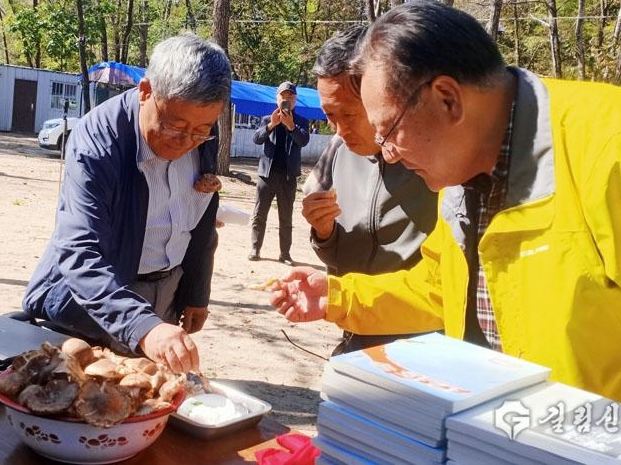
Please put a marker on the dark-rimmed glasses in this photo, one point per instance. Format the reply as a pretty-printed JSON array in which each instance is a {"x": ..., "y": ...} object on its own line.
[
  {"x": 175, "y": 133},
  {"x": 381, "y": 140}
]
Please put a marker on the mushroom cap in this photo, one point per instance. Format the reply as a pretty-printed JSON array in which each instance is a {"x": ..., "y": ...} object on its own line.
[
  {"x": 55, "y": 397},
  {"x": 138, "y": 365},
  {"x": 103, "y": 368},
  {"x": 103, "y": 404},
  {"x": 79, "y": 350},
  {"x": 12, "y": 383},
  {"x": 136, "y": 380}
]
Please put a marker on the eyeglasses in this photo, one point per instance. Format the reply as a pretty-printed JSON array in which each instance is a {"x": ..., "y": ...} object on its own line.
[
  {"x": 382, "y": 140},
  {"x": 175, "y": 133}
]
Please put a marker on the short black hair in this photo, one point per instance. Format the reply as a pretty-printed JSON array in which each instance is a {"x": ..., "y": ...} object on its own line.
[{"x": 337, "y": 52}]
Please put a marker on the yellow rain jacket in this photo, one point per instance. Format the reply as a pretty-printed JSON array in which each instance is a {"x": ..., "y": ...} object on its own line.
[{"x": 552, "y": 257}]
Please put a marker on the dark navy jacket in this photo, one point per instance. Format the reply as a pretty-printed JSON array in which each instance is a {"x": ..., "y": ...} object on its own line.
[
  {"x": 296, "y": 139},
  {"x": 81, "y": 280}
]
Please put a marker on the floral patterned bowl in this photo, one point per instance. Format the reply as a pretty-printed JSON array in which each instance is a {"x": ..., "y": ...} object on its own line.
[{"x": 74, "y": 441}]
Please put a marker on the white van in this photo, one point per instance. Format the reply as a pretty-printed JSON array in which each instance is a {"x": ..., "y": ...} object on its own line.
[{"x": 50, "y": 136}]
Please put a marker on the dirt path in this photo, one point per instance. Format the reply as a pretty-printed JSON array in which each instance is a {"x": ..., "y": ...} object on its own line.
[{"x": 242, "y": 341}]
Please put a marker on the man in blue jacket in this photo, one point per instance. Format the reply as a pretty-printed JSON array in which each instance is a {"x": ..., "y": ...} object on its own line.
[
  {"x": 132, "y": 253},
  {"x": 282, "y": 134}
]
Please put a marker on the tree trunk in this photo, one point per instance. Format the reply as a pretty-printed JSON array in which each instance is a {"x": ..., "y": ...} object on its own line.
[
  {"x": 4, "y": 41},
  {"x": 191, "y": 19},
  {"x": 579, "y": 40},
  {"x": 517, "y": 56},
  {"x": 37, "y": 57},
  {"x": 555, "y": 44},
  {"x": 601, "y": 25},
  {"x": 103, "y": 33},
  {"x": 371, "y": 10},
  {"x": 116, "y": 24},
  {"x": 617, "y": 32},
  {"x": 127, "y": 31},
  {"x": 143, "y": 30},
  {"x": 86, "y": 97},
  {"x": 494, "y": 20},
  {"x": 220, "y": 33}
]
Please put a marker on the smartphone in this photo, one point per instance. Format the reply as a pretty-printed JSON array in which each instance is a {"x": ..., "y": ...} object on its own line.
[{"x": 285, "y": 106}]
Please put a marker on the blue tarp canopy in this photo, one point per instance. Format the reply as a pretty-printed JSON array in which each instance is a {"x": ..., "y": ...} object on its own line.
[
  {"x": 115, "y": 74},
  {"x": 249, "y": 98}
]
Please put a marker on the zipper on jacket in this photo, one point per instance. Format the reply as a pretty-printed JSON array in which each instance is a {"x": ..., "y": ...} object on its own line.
[{"x": 372, "y": 220}]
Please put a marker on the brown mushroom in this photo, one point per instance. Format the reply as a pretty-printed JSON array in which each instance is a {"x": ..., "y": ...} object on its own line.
[
  {"x": 138, "y": 365},
  {"x": 79, "y": 349},
  {"x": 207, "y": 183},
  {"x": 103, "y": 404},
  {"x": 55, "y": 397},
  {"x": 151, "y": 405},
  {"x": 169, "y": 389},
  {"x": 12, "y": 383},
  {"x": 103, "y": 368}
]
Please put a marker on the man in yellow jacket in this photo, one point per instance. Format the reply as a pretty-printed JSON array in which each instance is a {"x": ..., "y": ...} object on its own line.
[{"x": 526, "y": 254}]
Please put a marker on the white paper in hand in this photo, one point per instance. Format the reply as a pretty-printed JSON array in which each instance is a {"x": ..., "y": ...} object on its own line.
[{"x": 232, "y": 215}]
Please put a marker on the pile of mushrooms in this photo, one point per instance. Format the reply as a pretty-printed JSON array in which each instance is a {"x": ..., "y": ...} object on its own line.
[{"x": 90, "y": 383}]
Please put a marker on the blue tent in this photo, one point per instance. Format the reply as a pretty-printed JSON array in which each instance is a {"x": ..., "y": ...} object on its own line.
[{"x": 249, "y": 98}]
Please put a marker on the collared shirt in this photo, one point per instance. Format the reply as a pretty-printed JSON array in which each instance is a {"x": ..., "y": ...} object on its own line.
[
  {"x": 492, "y": 192},
  {"x": 175, "y": 207}
]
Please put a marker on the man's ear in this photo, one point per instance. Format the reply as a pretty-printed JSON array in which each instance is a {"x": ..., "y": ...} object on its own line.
[
  {"x": 448, "y": 93},
  {"x": 144, "y": 89}
]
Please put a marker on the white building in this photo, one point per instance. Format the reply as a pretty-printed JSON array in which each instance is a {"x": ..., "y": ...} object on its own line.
[{"x": 29, "y": 96}]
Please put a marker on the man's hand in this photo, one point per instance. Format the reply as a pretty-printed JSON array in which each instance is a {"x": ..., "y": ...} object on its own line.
[
  {"x": 320, "y": 209},
  {"x": 301, "y": 296},
  {"x": 274, "y": 119},
  {"x": 286, "y": 118},
  {"x": 172, "y": 346},
  {"x": 194, "y": 318}
]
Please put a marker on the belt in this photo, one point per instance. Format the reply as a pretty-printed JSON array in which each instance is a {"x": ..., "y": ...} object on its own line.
[{"x": 155, "y": 275}]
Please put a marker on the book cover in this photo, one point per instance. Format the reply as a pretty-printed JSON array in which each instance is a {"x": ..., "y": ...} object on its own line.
[
  {"x": 508, "y": 450},
  {"x": 423, "y": 433},
  {"x": 337, "y": 452},
  {"x": 449, "y": 372},
  {"x": 375, "y": 396},
  {"x": 553, "y": 417},
  {"x": 360, "y": 429}
]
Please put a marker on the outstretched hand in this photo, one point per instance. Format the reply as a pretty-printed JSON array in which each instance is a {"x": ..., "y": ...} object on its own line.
[{"x": 301, "y": 296}]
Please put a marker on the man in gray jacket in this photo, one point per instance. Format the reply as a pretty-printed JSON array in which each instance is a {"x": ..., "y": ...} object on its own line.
[{"x": 366, "y": 215}]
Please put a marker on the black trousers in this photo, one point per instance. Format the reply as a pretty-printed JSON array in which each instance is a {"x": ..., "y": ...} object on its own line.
[{"x": 276, "y": 185}]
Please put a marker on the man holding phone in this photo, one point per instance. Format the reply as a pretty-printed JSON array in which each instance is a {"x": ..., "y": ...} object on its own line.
[{"x": 283, "y": 133}]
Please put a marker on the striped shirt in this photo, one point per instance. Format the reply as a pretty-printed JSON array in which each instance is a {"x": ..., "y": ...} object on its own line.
[
  {"x": 175, "y": 208},
  {"x": 491, "y": 200}
]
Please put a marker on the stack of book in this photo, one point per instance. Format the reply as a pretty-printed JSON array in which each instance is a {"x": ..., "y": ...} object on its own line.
[
  {"x": 388, "y": 404},
  {"x": 551, "y": 423}
]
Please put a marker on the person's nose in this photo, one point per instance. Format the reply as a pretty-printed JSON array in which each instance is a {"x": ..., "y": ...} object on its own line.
[{"x": 390, "y": 153}]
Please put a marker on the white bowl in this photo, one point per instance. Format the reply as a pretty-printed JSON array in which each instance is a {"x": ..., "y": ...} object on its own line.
[{"x": 74, "y": 441}]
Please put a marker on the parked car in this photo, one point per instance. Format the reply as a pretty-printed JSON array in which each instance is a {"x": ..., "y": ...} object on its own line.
[{"x": 50, "y": 136}]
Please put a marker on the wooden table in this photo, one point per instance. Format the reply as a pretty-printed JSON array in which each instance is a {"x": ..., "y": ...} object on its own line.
[{"x": 173, "y": 447}]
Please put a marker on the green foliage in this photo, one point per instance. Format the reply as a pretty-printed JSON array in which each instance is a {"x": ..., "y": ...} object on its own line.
[{"x": 274, "y": 40}]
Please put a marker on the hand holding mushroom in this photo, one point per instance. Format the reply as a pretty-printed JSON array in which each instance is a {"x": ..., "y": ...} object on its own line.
[{"x": 172, "y": 346}]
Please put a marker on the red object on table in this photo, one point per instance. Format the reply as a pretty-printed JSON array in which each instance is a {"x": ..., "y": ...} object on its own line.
[{"x": 299, "y": 451}]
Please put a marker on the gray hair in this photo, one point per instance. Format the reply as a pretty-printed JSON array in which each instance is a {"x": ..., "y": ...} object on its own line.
[
  {"x": 421, "y": 39},
  {"x": 336, "y": 53},
  {"x": 185, "y": 67}
]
